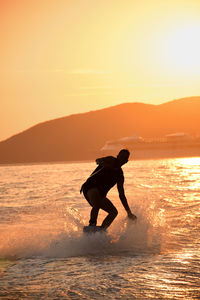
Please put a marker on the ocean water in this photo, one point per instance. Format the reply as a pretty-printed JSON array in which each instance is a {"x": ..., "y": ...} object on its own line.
[{"x": 45, "y": 255}]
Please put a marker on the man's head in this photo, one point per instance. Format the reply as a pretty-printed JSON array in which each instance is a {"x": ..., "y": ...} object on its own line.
[{"x": 123, "y": 156}]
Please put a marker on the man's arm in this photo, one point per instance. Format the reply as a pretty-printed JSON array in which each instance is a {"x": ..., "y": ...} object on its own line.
[{"x": 120, "y": 187}]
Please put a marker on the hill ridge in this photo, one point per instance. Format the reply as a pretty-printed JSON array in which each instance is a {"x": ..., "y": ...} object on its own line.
[{"x": 81, "y": 136}]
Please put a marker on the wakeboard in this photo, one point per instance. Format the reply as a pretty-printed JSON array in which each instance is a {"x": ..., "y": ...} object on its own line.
[{"x": 93, "y": 229}]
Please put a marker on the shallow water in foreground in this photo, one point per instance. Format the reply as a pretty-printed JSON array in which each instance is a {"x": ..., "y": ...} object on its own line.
[{"x": 44, "y": 254}]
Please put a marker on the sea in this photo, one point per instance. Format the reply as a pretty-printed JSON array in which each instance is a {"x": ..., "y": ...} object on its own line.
[{"x": 44, "y": 253}]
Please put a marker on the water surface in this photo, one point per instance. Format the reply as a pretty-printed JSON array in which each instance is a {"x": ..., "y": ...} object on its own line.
[{"x": 44, "y": 254}]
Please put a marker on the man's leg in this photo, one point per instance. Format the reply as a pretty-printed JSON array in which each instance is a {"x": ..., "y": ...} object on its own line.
[
  {"x": 93, "y": 216},
  {"x": 98, "y": 202},
  {"x": 94, "y": 198},
  {"x": 107, "y": 205}
]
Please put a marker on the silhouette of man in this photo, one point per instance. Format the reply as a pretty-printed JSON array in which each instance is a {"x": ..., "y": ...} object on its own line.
[{"x": 104, "y": 177}]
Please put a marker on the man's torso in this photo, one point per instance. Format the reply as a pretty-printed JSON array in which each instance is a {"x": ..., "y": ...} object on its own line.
[{"x": 104, "y": 178}]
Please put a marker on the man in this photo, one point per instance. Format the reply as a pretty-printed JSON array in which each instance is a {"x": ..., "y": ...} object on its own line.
[{"x": 105, "y": 176}]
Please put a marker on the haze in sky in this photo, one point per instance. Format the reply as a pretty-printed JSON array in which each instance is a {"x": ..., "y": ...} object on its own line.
[{"x": 60, "y": 57}]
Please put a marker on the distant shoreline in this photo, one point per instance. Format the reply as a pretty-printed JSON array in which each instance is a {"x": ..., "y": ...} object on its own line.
[{"x": 136, "y": 154}]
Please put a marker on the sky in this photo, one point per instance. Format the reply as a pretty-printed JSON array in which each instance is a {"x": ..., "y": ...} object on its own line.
[{"x": 62, "y": 57}]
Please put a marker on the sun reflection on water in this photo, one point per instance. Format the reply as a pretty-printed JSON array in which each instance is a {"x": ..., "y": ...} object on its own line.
[
  {"x": 189, "y": 161},
  {"x": 188, "y": 175}
]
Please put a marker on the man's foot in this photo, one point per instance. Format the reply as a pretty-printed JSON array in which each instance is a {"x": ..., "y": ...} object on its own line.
[{"x": 132, "y": 217}]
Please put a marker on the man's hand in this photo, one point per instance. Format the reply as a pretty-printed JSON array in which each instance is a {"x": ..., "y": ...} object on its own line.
[{"x": 132, "y": 216}]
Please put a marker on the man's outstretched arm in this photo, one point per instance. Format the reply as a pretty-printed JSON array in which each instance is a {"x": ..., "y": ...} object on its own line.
[{"x": 120, "y": 187}]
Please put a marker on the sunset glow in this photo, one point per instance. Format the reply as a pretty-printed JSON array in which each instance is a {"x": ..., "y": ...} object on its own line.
[
  {"x": 63, "y": 57},
  {"x": 181, "y": 49}
]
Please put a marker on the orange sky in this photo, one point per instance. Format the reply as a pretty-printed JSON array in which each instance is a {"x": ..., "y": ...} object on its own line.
[{"x": 68, "y": 56}]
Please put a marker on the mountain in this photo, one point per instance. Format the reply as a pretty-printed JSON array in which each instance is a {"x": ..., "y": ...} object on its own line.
[{"x": 80, "y": 136}]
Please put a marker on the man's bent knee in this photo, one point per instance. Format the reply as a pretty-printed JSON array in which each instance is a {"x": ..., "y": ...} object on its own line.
[{"x": 114, "y": 212}]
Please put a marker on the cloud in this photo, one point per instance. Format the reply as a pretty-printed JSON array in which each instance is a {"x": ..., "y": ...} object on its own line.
[
  {"x": 58, "y": 70},
  {"x": 88, "y": 94},
  {"x": 132, "y": 85},
  {"x": 89, "y": 71}
]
